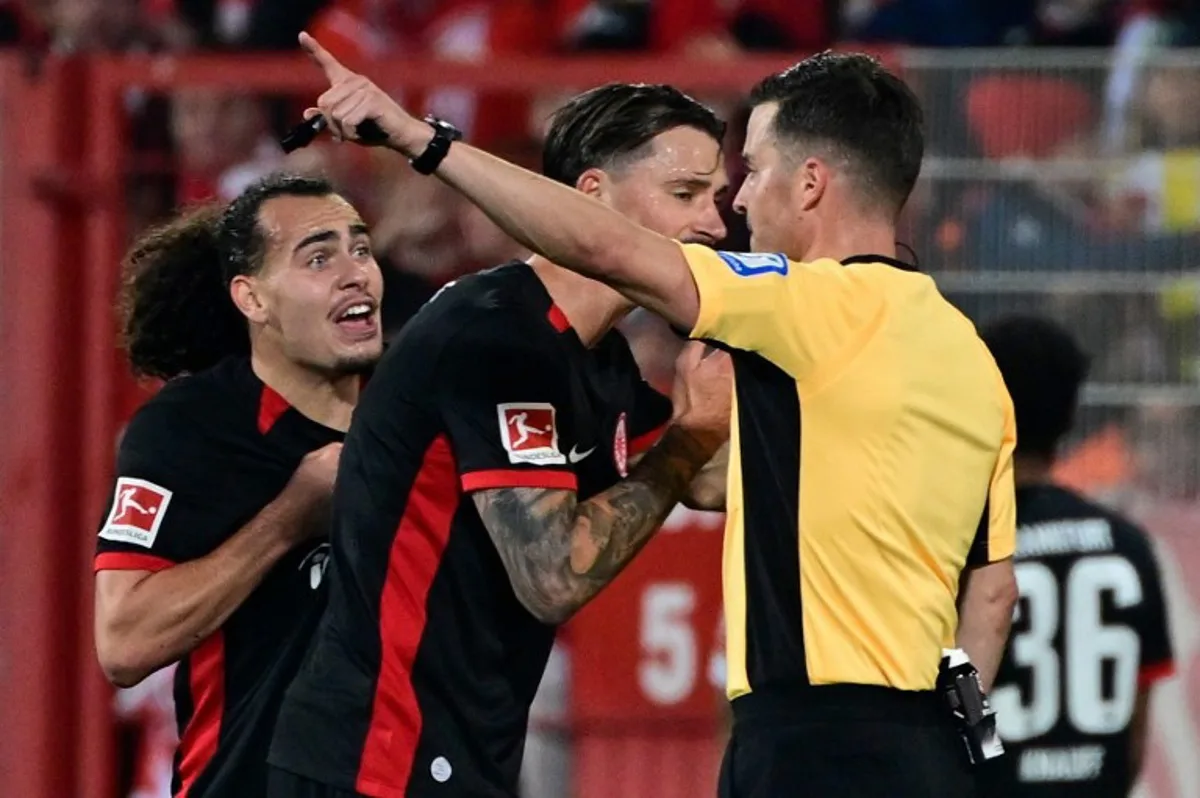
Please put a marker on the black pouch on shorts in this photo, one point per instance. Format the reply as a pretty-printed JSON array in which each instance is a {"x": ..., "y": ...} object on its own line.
[{"x": 958, "y": 683}]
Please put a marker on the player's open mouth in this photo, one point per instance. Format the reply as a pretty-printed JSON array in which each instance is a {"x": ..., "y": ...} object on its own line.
[{"x": 358, "y": 319}]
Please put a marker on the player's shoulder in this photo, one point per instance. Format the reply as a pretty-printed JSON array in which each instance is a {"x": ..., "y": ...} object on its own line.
[
  {"x": 197, "y": 407},
  {"x": 1054, "y": 519},
  {"x": 502, "y": 306},
  {"x": 1130, "y": 539}
]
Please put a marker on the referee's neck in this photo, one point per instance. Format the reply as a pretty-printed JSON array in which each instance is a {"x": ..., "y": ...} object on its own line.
[
  {"x": 851, "y": 237},
  {"x": 592, "y": 308}
]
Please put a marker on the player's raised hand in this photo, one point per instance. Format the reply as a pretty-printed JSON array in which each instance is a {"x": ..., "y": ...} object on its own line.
[
  {"x": 352, "y": 99},
  {"x": 703, "y": 391}
]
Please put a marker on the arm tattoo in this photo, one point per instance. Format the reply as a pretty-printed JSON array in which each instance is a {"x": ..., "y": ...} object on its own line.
[{"x": 559, "y": 552}]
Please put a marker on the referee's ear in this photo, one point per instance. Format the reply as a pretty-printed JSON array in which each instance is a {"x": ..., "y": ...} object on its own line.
[{"x": 244, "y": 291}]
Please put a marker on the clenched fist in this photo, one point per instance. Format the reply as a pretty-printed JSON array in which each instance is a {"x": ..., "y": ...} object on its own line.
[
  {"x": 703, "y": 392},
  {"x": 311, "y": 486}
]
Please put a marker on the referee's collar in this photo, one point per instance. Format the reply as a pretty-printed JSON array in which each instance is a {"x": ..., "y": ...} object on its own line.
[{"x": 899, "y": 264}]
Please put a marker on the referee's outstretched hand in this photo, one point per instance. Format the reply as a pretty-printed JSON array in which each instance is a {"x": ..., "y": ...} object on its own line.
[
  {"x": 353, "y": 99},
  {"x": 703, "y": 393}
]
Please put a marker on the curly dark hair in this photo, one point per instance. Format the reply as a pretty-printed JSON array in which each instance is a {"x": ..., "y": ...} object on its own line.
[{"x": 175, "y": 310}]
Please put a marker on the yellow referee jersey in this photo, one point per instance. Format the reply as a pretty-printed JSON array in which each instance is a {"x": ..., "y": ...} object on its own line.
[{"x": 871, "y": 455}]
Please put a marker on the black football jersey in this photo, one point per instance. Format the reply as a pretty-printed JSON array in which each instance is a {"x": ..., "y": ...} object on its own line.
[
  {"x": 1090, "y": 632},
  {"x": 197, "y": 462},
  {"x": 421, "y": 676}
]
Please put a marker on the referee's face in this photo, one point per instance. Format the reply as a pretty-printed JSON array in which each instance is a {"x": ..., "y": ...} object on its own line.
[
  {"x": 675, "y": 190},
  {"x": 317, "y": 296},
  {"x": 765, "y": 197}
]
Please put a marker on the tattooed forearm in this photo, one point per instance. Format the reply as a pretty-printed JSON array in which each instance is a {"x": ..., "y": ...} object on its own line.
[{"x": 559, "y": 552}]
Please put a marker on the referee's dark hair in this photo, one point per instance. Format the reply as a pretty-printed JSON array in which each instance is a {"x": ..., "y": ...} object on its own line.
[
  {"x": 613, "y": 125},
  {"x": 176, "y": 313},
  {"x": 1043, "y": 367},
  {"x": 859, "y": 112}
]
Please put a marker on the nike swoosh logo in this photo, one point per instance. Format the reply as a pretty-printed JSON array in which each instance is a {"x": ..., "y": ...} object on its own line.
[{"x": 575, "y": 456}]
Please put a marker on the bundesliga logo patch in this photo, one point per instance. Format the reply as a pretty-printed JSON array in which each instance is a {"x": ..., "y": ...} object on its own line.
[
  {"x": 137, "y": 512},
  {"x": 528, "y": 433}
]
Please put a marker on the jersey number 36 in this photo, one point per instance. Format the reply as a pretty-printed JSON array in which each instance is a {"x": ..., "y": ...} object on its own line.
[{"x": 1069, "y": 677}]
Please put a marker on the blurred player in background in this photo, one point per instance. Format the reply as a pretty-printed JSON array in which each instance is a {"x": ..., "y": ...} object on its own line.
[
  {"x": 873, "y": 437},
  {"x": 262, "y": 317},
  {"x": 1090, "y": 637},
  {"x": 490, "y": 485}
]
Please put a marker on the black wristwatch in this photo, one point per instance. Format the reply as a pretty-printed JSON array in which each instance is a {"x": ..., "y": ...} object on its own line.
[{"x": 444, "y": 134}]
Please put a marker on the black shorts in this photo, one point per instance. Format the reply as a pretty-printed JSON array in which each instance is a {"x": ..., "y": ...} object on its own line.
[
  {"x": 285, "y": 784},
  {"x": 844, "y": 740}
]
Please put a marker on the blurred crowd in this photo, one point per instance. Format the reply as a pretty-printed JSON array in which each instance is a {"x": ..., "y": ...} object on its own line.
[
  {"x": 1063, "y": 151},
  {"x": 1130, "y": 113},
  {"x": 1039, "y": 159}
]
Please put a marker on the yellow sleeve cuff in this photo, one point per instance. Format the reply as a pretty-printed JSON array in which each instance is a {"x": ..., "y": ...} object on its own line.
[{"x": 1003, "y": 548}]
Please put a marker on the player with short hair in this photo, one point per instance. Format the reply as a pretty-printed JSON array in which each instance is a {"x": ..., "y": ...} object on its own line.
[
  {"x": 1090, "y": 638},
  {"x": 871, "y": 462},
  {"x": 490, "y": 485},
  {"x": 262, "y": 317}
]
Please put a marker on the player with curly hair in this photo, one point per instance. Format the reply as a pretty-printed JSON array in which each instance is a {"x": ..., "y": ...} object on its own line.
[{"x": 261, "y": 317}]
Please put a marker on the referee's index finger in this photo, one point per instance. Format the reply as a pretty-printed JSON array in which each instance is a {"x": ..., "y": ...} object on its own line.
[{"x": 334, "y": 71}]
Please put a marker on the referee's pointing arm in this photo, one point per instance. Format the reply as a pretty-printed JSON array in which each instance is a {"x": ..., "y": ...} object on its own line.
[{"x": 566, "y": 226}]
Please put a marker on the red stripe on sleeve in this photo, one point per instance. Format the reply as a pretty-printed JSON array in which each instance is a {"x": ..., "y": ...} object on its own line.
[
  {"x": 643, "y": 442},
  {"x": 416, "y": 554},
  {"x": 198, "y": 744},
  {"x": 1154, "y": 672},
  {"x": 130, "y": 561},
  {"x": 513, "y": 478}
]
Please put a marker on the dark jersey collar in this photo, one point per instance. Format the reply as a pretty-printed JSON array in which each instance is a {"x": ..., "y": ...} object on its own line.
[
  {"x": 544, "y": 303},
  {"x": 271, "y": 405},
  {"x": 898, "y": 264}
]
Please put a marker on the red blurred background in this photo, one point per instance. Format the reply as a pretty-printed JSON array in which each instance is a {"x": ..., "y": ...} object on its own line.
[{"x": 1063, "y": 175}]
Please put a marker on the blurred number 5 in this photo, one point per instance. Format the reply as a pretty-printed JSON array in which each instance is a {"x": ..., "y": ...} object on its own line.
[{"x": 667, "y": 673}]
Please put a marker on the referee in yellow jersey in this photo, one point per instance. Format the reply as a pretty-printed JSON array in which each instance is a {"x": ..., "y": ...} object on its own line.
[{"x": 870, "y": 490}]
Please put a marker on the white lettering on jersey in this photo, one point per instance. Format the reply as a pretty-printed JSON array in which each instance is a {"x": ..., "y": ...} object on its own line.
[
  {"x": 1064, "y": 537},
  {"x": 1077, "y": 763}
]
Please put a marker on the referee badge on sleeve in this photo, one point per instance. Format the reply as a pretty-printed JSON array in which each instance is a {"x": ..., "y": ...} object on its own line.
[
  {"x": 752, "y": 264},
  {"x": 137, "y": 512}
]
